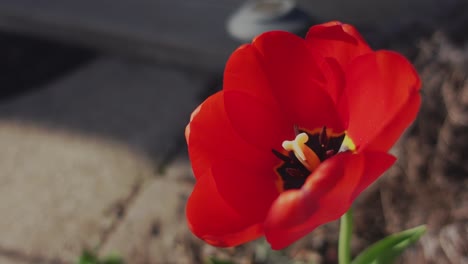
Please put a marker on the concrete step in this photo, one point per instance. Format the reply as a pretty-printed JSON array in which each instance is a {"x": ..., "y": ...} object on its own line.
[
  {"x": 173, "y": 31},
  {"x": 76, "y": 155},
  {"x": 30, "y": 63},
  {"x": 155, "y": 228},
  {"x": 141, "y": 105},
  {"x": 189, "y": 33}
]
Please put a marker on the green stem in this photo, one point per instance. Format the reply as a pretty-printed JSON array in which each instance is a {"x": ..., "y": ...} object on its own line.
[{"x": 344, "y": 243}]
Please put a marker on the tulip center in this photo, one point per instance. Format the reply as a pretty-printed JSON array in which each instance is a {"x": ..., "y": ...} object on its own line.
[{"x": 305, "y": 153}]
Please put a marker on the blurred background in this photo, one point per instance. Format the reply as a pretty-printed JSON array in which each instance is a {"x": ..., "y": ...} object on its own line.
[{"x": 95, "y": 96}]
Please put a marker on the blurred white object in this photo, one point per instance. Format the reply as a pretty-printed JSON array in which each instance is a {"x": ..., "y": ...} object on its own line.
[{"x": 258, "y": 16}]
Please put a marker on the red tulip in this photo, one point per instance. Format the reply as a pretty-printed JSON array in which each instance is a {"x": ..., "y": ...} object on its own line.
[{"x": 300, "y": 129}]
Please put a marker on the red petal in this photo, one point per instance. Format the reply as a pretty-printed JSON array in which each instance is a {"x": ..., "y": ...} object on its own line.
[
  {"x": 296, "y": 80},
  {"x": 323, "y": 198},
  {"x": 249, "y": 187},
  {"x": 379, "y": 86},
  {"x": 326, "y": 195},
  {"x": 261, "y": 125},
  {"x": 393, "y": 129},
  {"x": 245, "y": 73},
  {"x": 254, "y": 112},
  {"x": 336, "y": 40},
  {"x": 244, "y": 175},
  {"x": 335, "y": 79},
  {"x": 211, "y": 219},
  {"x": 376, "y": 163},
  {"x": 210, "y": 136}
]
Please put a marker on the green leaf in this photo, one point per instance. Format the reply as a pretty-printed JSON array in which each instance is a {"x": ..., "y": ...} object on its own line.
[
  {"x": 218, "y": 261},
  {"x": 87, "y": 257},
  {"x": 90, "y": 257},
  {"x": 388, "y": 249},
  {"x": 112, "y": 259}
]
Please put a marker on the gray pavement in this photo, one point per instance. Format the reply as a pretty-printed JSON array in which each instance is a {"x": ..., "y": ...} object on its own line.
[
  {"x": 80, "y": 158},
  {"x": 189, "y": 33},
  {"x": 141, "y": 105},
  {"x": 155, "y": 229},
  {"x": 60, "y": 192}
]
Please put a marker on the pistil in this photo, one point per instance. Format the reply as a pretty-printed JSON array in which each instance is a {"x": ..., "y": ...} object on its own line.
[{"x": 303, "y": 153}]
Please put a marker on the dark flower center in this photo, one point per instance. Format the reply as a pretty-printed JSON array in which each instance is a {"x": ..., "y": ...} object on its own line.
[{"x": 294, "y": 171}]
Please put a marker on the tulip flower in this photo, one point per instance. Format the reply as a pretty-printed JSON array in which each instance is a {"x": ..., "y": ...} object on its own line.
[{"x": 299, "y": 130}]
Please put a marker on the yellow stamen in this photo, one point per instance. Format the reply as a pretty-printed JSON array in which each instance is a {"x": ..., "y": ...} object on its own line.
[
  {"x": 347, "y": 144},
  {"x": 303, "y": 153}
]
